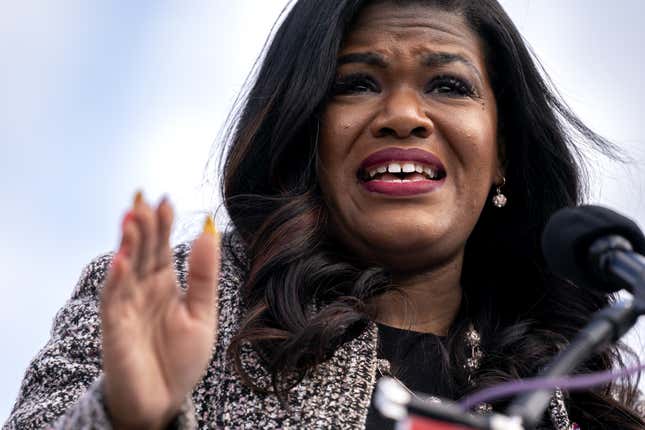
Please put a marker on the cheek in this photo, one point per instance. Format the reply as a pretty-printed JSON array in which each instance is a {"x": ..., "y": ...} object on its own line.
[
  {"x": 474, "y": 148},
  {"x": 332, "y": 153},
  {"x": 339, "y": 129},
  {"x": 475, "y": 142},
  {"x": 329, "y": 154}
]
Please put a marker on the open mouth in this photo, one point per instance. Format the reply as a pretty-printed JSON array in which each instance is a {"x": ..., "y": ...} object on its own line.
[{"x": 401, "y": 171}]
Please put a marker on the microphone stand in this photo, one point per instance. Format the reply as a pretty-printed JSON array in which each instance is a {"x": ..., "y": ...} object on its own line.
[
  {"x": 607, "y": 326},
  {"x": 618, "y": 265}
]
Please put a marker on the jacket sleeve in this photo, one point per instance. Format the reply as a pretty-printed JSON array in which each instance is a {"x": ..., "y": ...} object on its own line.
[{"x": 62, "y": 387}]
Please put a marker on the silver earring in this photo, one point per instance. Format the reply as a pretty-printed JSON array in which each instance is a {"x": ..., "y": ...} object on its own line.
[{"x": 499, "y": 199}]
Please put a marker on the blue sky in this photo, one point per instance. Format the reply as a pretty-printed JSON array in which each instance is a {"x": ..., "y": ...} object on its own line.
[{"x": 101, "y": 98}]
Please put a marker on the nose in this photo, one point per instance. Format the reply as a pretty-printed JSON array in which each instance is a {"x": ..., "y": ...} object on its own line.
[{"x": 402, "y": 115}]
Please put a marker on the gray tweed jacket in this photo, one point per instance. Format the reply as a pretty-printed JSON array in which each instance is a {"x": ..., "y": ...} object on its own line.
[{"x": 62, "y": 385}]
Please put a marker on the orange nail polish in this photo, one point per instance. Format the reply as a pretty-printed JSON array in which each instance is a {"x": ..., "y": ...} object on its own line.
[
  {"x": 209, "y": 226},
  {"x": 138, "y": 198}
]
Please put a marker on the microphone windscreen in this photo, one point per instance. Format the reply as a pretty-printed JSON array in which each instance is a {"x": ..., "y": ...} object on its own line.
[{"x": 570, "y": 233}]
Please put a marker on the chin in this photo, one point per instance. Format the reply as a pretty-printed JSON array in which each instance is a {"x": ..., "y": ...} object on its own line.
[
  {"x": 401, "y": 239},
  {"x": 406, "y": 251}
]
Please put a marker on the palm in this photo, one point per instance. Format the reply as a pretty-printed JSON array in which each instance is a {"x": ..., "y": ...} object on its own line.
[{"x": 157, "y": 341}]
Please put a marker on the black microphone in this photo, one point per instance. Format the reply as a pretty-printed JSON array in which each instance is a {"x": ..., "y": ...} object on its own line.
[
  {"x": 589, "y": 244},
  {"x": 597, "y": 248}
]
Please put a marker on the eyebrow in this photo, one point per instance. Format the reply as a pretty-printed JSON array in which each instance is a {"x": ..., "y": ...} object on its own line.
[
  {"x": 436, "y": 59},
  {"x": 433, "y": 59},
  {"x": 370, "y": 58}
]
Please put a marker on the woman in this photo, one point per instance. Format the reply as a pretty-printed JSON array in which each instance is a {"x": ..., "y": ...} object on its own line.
[{"x": 388, "y": 179}]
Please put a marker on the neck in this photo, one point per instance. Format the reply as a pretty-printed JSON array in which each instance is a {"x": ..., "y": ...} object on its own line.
[{"x": 424, "y": 302}]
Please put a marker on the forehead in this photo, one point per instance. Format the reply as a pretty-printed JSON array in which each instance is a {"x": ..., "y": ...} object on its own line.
[{"x": 414, "y": 29}]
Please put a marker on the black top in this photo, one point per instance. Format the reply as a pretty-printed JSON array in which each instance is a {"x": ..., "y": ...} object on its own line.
[{"x": 415, "y": 360}]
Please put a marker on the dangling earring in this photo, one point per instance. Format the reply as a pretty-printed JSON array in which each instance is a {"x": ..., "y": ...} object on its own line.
[{"x": 499, "y": 199}]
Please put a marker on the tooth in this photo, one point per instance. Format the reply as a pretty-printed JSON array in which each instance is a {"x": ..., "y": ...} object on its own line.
[
  {"x": 382, "y": 169},
  {"x": 408, "y": 168},
  {"x": 418, "y": 168},
  {"x": 394, "y": 168},
  {"x": 430, "y": 172},
  {"x": 372, "y": 173}
]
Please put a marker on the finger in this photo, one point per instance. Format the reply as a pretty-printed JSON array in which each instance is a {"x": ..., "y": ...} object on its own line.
[
  {"x": 147, "y": 222},
  {"x": 114, "y": 276},
  {"x": 130, "y": 238},
  {"x": 119, "y": 282},
  {"x": 203, "y": 274},
  {"x": 163, "y": 253}
]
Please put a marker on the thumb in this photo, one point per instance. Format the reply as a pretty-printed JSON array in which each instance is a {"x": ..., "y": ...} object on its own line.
[{"x": 203, "y": 272}]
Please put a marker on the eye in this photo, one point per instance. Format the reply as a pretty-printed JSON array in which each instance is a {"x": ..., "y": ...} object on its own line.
[
  {"x": 451, "y": 86},
  {"x": 354, "y": 84}
]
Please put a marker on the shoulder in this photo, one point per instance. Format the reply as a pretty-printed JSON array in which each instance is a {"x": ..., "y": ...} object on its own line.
[{"x": 234, "y": 260}]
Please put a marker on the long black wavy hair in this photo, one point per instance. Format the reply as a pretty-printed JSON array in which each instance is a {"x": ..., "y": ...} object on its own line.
[{"x": 305, "y": 295}]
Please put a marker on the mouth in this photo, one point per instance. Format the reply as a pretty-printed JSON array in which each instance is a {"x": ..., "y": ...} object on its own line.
[{"x": 401, "y": 172}]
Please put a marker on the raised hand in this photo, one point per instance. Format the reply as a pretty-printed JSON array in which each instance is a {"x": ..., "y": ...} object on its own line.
[{"x": 157, "y": 340}]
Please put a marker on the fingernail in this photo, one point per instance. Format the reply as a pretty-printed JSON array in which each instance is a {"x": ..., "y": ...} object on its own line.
[
  {"x": 209, "y": 226},
  {"x": 138, "y": 198},
  {"x": 164, "y": 200}
]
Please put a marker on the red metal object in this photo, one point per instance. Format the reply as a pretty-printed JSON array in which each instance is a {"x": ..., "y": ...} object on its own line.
[{"x": 418, "y": 423}]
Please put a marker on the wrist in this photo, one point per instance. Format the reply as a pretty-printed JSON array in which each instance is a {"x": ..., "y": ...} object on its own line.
[{"x": 131, "y": 420}]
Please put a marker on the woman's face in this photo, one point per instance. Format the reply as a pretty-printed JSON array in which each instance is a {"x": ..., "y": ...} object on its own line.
[{"x": 408, "y": 143}]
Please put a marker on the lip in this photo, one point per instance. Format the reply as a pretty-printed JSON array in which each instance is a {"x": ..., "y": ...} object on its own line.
[{"x": 402, "y": 189}]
